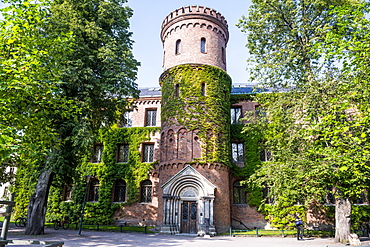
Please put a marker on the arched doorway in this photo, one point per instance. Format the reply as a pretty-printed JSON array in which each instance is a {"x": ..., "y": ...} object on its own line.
[{"x": 188, "y": 203}]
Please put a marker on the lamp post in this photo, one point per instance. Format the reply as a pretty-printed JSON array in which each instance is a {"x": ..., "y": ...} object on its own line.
[{"x": 83, "y": 203}]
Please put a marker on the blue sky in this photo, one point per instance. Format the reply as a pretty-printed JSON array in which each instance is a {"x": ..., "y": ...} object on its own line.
[{"x": 146, "y": 24}]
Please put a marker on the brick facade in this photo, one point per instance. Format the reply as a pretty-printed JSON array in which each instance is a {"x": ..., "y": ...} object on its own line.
[
  {"x": 178, "y": 177},
  {"x": 190, "y": 24}
]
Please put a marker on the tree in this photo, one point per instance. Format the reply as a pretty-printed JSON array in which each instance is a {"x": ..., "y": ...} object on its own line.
[
  {"x": 316, "y": 130},
  {"x": 96, "y": 73},
  {"x": 29, "y": 78}
]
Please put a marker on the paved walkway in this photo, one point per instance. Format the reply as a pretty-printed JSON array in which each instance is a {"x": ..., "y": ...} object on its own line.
[{"x": 100, "y": 239}]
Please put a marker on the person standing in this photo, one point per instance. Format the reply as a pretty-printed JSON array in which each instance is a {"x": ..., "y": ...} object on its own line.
[{"x": 299, "y": 226}]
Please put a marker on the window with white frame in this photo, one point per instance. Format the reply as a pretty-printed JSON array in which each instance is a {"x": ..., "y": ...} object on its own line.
[
  {"x": 237, "y": 149},
  {"x": 127, "y": 119},
  {"x": 236, "y": 113},
  {"x": 150, "y": 117},
  {"x": 267, "y": 195},
  {"x": 148, "y": 152},
  {"x": 97, "y": 153},
  {"x": 265, "y": 155}
]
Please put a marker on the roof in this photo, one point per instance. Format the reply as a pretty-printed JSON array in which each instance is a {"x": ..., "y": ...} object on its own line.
[{"x": 237, "y": 88}]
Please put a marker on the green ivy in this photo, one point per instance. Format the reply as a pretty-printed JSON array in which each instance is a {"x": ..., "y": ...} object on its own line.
[
  {"x": 108, "y": 171},
  {"x": 208, "y": 113}
]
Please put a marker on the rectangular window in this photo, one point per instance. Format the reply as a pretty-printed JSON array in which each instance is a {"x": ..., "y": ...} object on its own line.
[
  {"x": 148, "y": 155},
  {"x": 127, "y": 119},
  {"x": 146, "y": 192},
  {"x": 267, "y": 195},
  {"x": 260, "y": 112},
  {"x": 151, "y": 117},
  {"x": 67, "y": 192},
  {"x": 237, "y": 151},
  {"x": 236, "y": 113},
  {"x": 122, "y": 155},
  {"x": 265, "y": 155},
  {"x": 97, "y": 155},
  {"x": 240, "y": 194}
]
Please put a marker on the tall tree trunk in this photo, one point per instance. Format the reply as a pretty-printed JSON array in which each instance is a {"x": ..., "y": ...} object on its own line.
[
  {"x": 38, "y": 203},
  {"x": 343, "y": 209}
]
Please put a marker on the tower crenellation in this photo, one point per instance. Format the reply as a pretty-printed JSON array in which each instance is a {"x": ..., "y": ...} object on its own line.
[
  {"x": 194, "y": 9},
  {"x": 194, "y": 35}
]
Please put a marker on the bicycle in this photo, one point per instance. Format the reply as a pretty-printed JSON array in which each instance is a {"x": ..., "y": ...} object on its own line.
[
  {"x": 21, "y": 222},
  {"x": 61, "y": 223}
]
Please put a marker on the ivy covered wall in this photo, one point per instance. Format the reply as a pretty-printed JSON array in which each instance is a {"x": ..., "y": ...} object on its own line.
[
  {"x": 197, "y": 97},
  {"x": 134, "y": 171},
  {"x": 107, "y": 171}
]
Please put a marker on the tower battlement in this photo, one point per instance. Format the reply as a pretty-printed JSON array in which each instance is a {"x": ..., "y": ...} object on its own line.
[
  {"x": 194, "y": 12},
  {"x": 194, "y": 9},
  {"x": 194, "y": 35}
]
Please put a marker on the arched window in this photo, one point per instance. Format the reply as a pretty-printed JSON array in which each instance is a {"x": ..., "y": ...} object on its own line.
[
  {"x": 240, "y": 195},
  {"x": 120, "y": 191},
  {"x": 223, "y": 55},
  {"x": 178, "y": 47},
  {"x": 146, "y": 191},
  {"x": 93, "y": 195},
  {"x": 203, "y": 45}
]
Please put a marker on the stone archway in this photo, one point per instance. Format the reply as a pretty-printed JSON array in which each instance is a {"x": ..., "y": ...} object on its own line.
[{"x": 188, "y": 204}]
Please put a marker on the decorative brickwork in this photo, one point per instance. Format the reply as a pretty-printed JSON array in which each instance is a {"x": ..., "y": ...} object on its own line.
[
  {"x": 195, "y": 122},
  {"x": 189, "y": 25}
]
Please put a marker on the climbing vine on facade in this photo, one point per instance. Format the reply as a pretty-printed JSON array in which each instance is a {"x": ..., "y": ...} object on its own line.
[{"x": 108, "y": 171}]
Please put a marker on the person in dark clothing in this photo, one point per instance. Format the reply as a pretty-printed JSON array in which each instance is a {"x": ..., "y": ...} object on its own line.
[{"x": 299, "y": 226}]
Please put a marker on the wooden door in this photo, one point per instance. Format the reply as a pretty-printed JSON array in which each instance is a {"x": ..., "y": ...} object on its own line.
[{"x": 189, "y": 217}]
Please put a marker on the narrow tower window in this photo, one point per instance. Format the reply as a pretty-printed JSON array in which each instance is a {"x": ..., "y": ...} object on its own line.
[
  {"x": 164, "y": 57},
  {"x": 203, "y": 45},
  {"x": 223, "y": 55},
  {"x": 177, "y": 90},
  {"x": 203, "y": 89},
  {"x": 178, "y": 47}
]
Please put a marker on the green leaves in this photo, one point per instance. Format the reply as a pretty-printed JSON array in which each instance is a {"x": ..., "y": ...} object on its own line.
[{"x": 318, "y": 131}]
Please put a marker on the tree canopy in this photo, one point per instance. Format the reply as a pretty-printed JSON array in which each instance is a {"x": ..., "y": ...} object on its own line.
[
  {"x": 68, "y": 71},
  {"x": 317, "y": 126}
]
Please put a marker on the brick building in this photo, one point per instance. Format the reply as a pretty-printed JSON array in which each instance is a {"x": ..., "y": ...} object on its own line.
[
  {"x": 172, "y": 161},
  {"x": 190, "y": 191}
]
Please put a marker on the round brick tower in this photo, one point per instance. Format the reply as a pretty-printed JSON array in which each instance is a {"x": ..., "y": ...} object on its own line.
[{"x": 195, "y": 149}]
